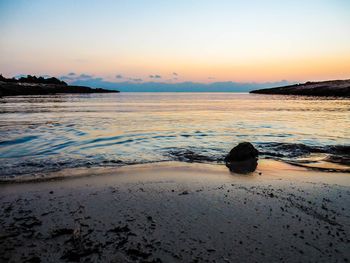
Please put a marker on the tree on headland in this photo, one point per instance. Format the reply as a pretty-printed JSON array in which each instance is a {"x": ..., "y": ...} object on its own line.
[
  {"x": 34, "y": 79},
  {"x": 2, "y": 78}
]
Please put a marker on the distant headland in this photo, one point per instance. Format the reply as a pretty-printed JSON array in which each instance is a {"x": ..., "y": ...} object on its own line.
[
  {"x": 32, "y": 85},
  {"x": 330, "y": 88}
]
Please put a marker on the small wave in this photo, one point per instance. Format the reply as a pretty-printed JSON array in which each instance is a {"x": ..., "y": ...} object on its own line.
[
  {"x": 338, "y": 159},
  {"x": 186, "y": 155},
  {"x": 320, "y": 166},
  {"x": 322, "y": 158},
  {"x": 292, "y": 150},
  {"x": 335, "y": 158},
  {"x": 18, "y": 140}
]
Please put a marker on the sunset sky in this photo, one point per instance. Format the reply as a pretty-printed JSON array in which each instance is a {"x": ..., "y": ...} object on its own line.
[{"x": 177, "y": 41}]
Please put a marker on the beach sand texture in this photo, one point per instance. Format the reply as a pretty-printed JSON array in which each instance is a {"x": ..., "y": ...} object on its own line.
[{"x": 178, "y": 212}]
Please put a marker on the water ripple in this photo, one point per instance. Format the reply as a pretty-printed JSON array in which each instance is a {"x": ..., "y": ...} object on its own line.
[{"x": 44, "y": 133}]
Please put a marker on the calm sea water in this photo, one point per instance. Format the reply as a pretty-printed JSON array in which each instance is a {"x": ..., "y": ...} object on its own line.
[{"x": 44, "y": 133}]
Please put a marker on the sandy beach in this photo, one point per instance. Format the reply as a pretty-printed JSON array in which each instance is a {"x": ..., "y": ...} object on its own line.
[{"x": 178, "y": 212}]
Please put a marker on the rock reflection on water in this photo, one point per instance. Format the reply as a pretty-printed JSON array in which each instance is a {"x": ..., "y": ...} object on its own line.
[{"x": 243, "y": 167}]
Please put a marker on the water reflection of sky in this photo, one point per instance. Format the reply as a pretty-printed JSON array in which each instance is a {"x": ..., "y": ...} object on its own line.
[{"x": 75, "y": 130}]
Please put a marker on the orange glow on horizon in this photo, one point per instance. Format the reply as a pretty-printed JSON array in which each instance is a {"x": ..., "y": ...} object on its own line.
[{"x": 292, "y": 69}]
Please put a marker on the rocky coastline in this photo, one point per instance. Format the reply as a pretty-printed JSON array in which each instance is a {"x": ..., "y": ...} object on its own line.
[
  {"x": 330, "y": 88},
  {"x": 32, "y": 85}
]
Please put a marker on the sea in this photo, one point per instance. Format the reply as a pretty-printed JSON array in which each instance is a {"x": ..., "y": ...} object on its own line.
[{"x": 41, "y": 134}]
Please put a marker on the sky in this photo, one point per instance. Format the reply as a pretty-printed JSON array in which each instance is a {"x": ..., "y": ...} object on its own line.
[{"x": 200, "y": 41}]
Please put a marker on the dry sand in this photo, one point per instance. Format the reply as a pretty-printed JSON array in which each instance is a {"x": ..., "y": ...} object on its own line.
[{"x": 178, "y": 212}]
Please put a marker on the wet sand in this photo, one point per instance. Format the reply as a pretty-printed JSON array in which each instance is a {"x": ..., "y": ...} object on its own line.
[{"x": 178, "y": 212}]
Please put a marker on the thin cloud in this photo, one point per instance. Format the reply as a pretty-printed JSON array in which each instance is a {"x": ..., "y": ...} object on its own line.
[
  {"x": 66, "y": 78},
  {"x": 155, "y": 76},
  {"x": 135, "y": 79},
  {"x": 85, "y": 76},
  {"x": 71, "y": 77},
  {"x": 20, "y": 76}
]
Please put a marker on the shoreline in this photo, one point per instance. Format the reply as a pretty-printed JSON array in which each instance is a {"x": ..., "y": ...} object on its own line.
[
  {"x": 66, "y": 173},
  {"x": 178, "y": 212}
]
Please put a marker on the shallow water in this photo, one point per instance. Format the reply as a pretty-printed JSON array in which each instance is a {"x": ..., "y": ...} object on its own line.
[{"x": 45, "y": 133}]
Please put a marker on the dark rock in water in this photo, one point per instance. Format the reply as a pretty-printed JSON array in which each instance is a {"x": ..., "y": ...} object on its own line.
[
  {"x": 242, "y": 152},
  {"x": 243, "y": 158}
]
